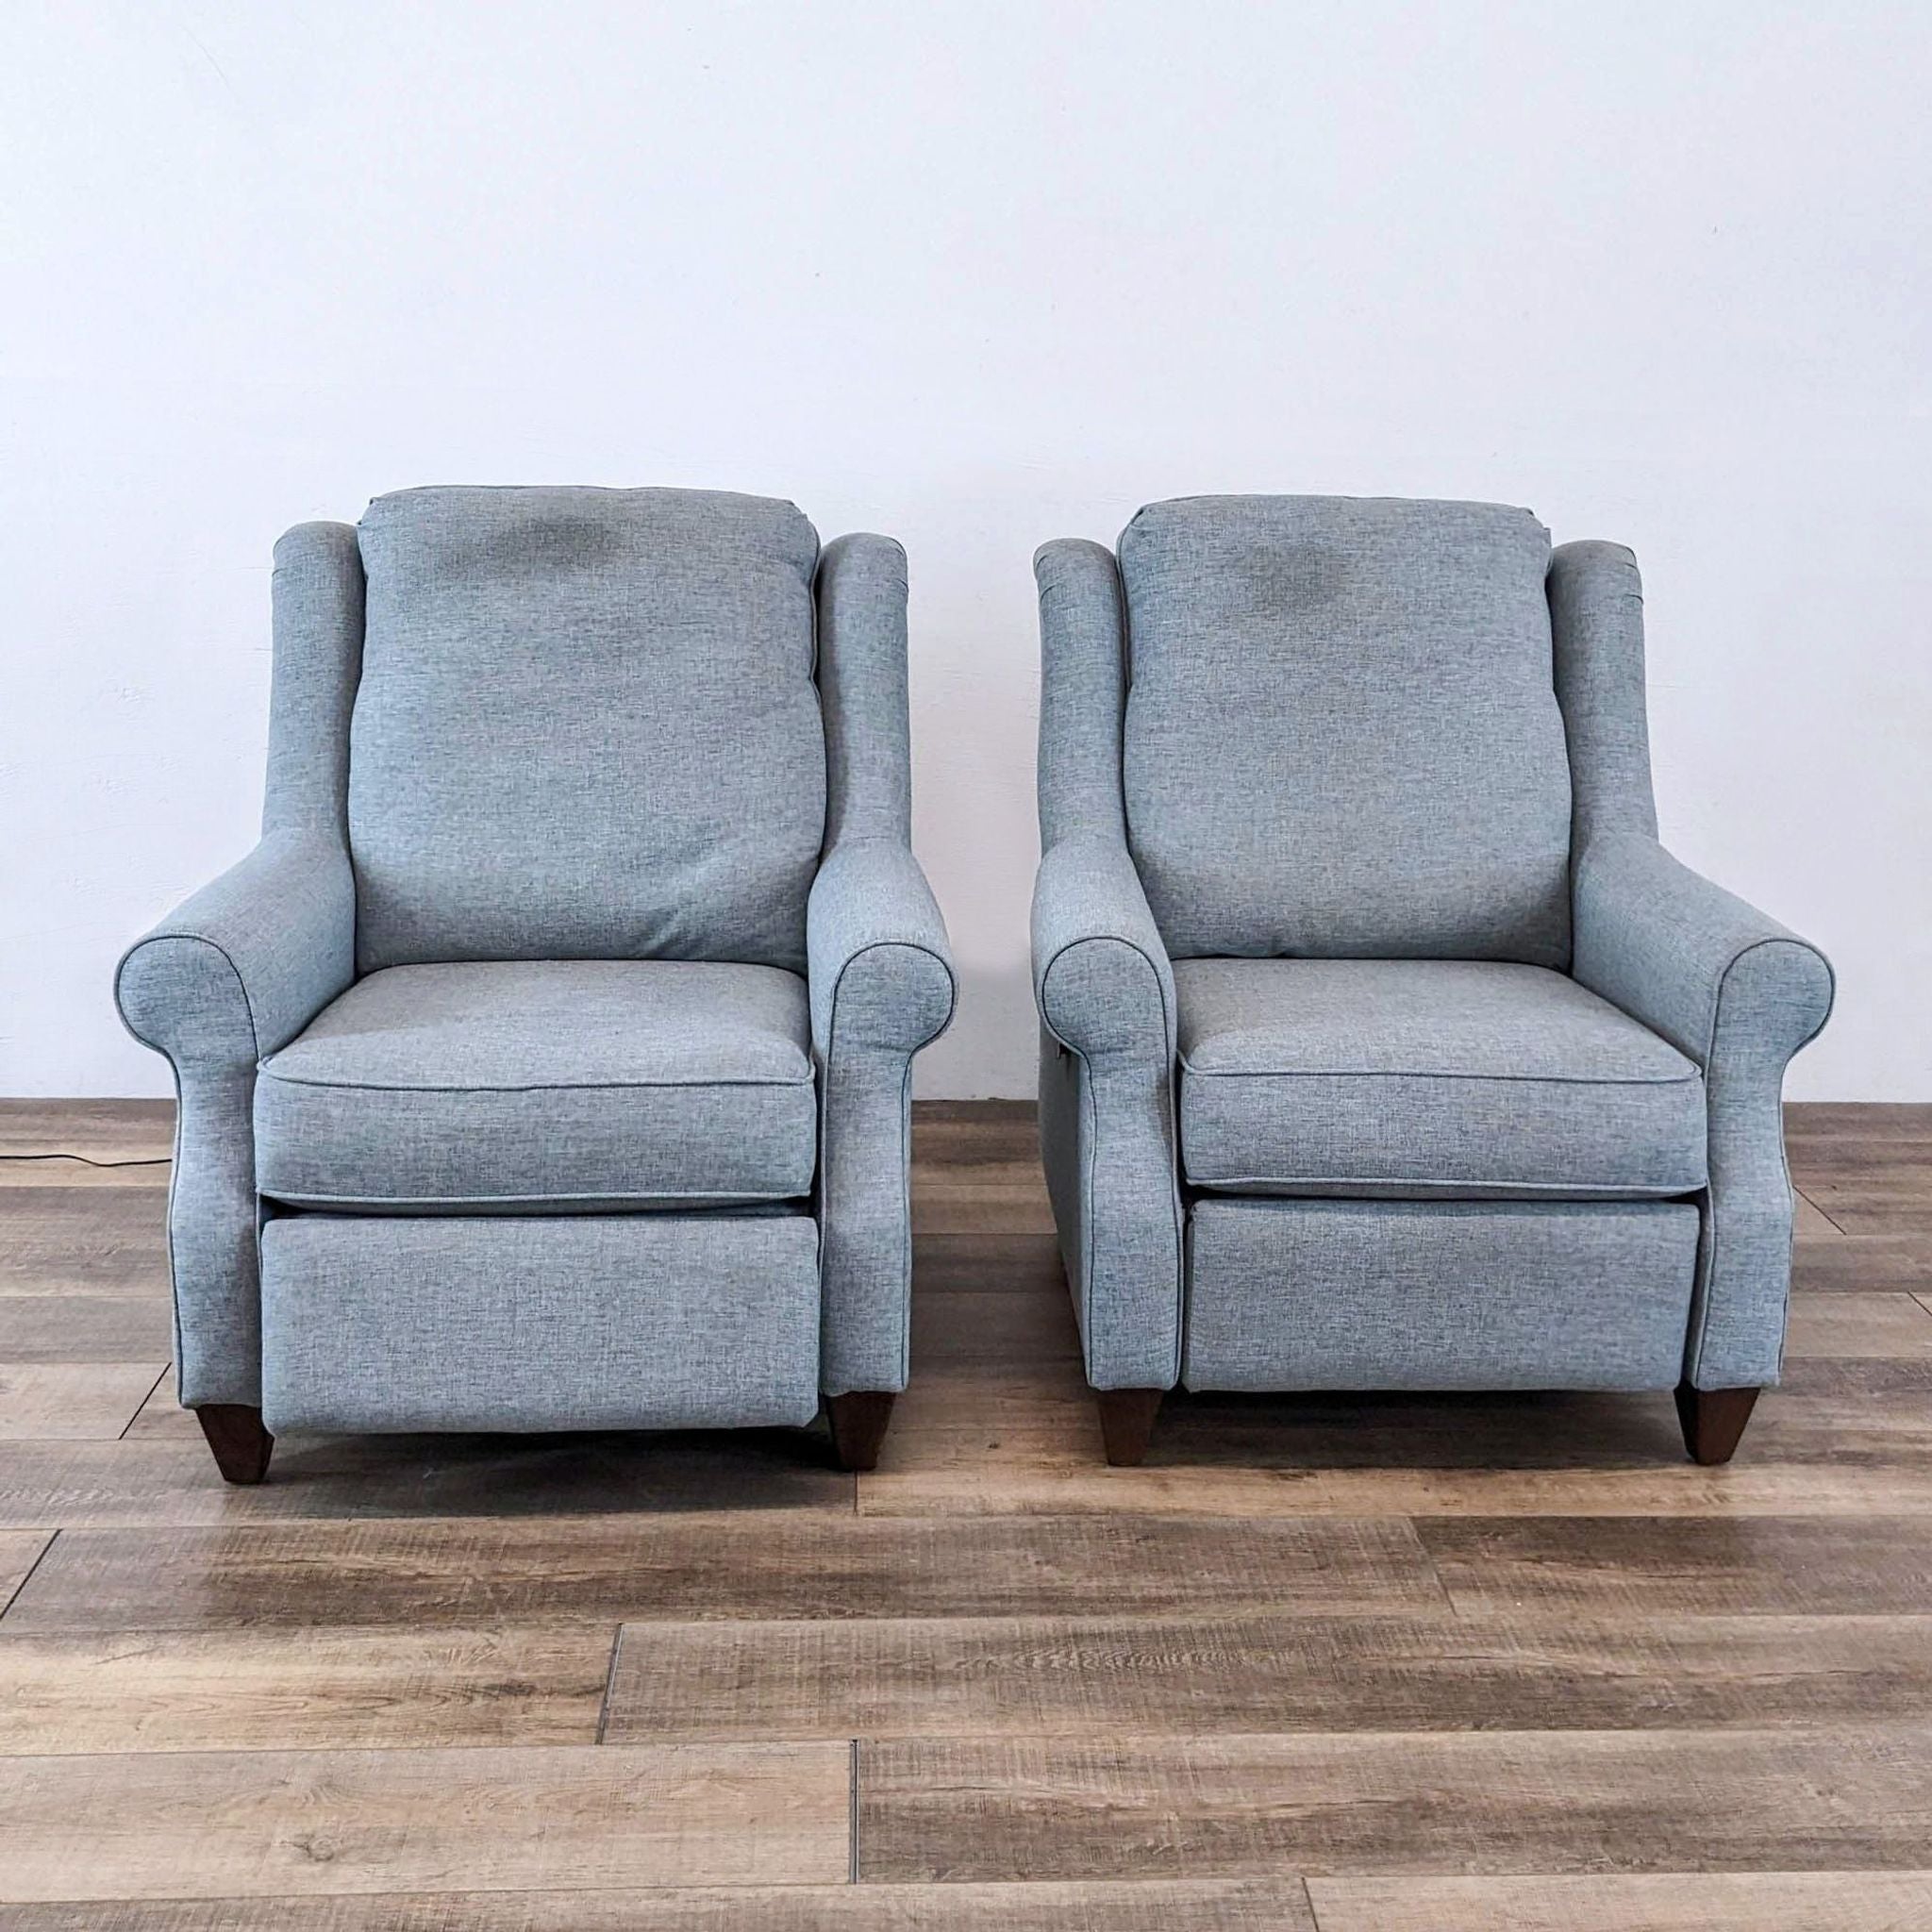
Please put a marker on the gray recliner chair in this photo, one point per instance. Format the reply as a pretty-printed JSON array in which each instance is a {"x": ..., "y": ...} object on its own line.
[
  {"x": 1384, "y": 1047},
  {"x": 547, "y": 1064}
]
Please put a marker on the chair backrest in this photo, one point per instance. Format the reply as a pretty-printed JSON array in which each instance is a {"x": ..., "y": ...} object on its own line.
[
  {"x": 585, "y": 726},
  {"x": 1341, "y": 731}
]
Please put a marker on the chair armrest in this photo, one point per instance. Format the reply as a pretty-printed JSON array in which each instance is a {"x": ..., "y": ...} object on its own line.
[
  {"x": 1740, "y": 995},
  {"x": 877, "y": 957},
  {"x": 1692, "y": 961},
  {"x": 241, "y": 967},
  {"x": 1107, "y": 1126},
  {"x": 1101, "y": 973},
  {"x": 881, "y": 984}
]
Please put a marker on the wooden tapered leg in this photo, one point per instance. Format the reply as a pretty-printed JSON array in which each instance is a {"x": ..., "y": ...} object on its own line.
[
  {"x": 1713, "y": 1420},
  {"x": 858, "y": 1426},
  {"x": 1127, "y": 1421},
  {"x": 242, "y": 1445}
]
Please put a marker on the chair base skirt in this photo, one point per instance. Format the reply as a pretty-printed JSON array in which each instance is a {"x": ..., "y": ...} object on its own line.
[
  {"x": 1300, "y": 1294},
  {"x": 608, "y": 1321}
]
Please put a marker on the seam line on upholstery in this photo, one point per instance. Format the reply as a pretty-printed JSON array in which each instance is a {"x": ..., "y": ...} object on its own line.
[
  {"x": 886, "y": 945},
  {"x": 174, "y": 1183},
  {"x": 1574, "y": 1191},
  {"x": 1693, "y": 1352},
  {"x": 1089, "y": 1119},
  {"x": 193, "y": 939},
  {"x": 725, "y": 1198},
  {"x": 174, "y": 1061},
  {"x": 904, "y": 1221},
  {"x": 269, "y": 1073},
  {"x": 906, "y": 1136},
  {"x": 1435, "y": 1074},
  {"x": 911, "y": 946},
  {"x": 1169, "y": 1023},
  {"x": 1744, "y": 953}
]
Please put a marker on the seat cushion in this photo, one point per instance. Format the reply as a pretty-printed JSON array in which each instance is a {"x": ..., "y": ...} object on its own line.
[
  {"x": 1342, "y": 738},
  {"x": 586, "y": 727},
  {"x": 553, "y": 1084},
  {"x": 1427, "y": 1077}
]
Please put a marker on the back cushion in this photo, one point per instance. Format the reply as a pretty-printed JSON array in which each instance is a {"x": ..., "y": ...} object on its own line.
[
  {"x": 587, "y": 727},
  {"x": 1342, "y": 737}
]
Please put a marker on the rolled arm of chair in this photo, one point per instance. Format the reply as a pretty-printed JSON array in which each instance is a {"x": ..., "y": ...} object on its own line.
[
  {"x": 1740, "y": 994},
  {"x": 878, "y": 958},
  {"x": 1105, "y": 993},
  {"x": 234, "y": 973},
  {"x": 881, "y": 981},
  {"x": 241, "y": 967},
  {"x": 1692, "y": 961},
  {"x": 1100, "y": 970}
]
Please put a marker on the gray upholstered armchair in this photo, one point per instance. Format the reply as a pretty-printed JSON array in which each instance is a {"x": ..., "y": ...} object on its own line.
[
  {"x": 546, "y": 1065},
  {"x": 1384, "y": 1045}
]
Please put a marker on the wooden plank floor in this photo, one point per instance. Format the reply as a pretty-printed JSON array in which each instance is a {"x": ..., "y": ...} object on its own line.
[{"x": 1371, "y": 1664}]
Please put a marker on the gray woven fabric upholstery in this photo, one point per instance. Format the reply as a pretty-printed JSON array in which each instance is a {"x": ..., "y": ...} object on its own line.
[
  {"x": 1104, "y": 988},
  {"x": 578, "y": 1083},
  {"x": 229, "y": 975},
  {"x": 881, "y": 976},
  {"x": 595, "y": 1322},
  {"x": 578, "y": 735},
  {"x": 1467, "y": 1079},
  {"x": 1740, "y": 994},
  {"x": 1341, "y": 737},
  {"x": 882, "y": 987},
  {"x": 1083, "y": 691},
  {"x": 586, "y": 727},
  {"x": 247, "y": 962},
  {"x": 1735, "y": 991},
  {"x": 1596, "y": 621},
  {"x": 1106, "y": 998},
  {"x": 317, "y": 594},
  {"x": 1379, "y": 778},
  {"x": 1410, "y": 1295}
]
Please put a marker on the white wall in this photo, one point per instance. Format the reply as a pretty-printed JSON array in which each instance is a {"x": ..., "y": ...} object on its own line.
[{"x": 975, "y": 276}]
